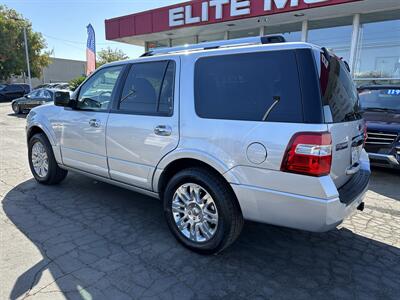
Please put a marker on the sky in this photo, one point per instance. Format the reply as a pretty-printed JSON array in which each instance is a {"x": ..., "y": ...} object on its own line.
[{"x": 63, "y": 22}]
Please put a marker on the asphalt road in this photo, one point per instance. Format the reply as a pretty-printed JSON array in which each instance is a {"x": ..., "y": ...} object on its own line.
[{"x": 85, "y": 239}]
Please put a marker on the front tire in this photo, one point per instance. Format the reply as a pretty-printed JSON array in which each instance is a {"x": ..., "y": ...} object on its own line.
[
  {"x": 42, "y": 162},
  {"x": 201, "y": 211}
]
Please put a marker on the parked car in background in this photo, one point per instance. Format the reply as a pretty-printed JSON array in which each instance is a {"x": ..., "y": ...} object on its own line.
[
  {"x": 252, "y": 128},
  {"x": 381, "y": 111},
  {"x": 9, "y": 92},
  {"x": 54, "y": 85},
  {"x": 33, "y": 99}
]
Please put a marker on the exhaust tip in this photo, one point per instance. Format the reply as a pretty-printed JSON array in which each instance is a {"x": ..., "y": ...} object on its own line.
[{"x": 361, "y": 206}]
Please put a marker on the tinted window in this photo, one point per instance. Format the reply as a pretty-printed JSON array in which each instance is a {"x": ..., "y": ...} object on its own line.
[
  {"x": 244, "y": 86},
  {"x": 34, "y": 94},
  {"x": 97, "y": 92},
  {"x": 380, "y": 99},
  {"x": 14, "y": 88},
  {"x": 338, "y": 89},
  {"x": 149, "y": 88},
  {"x": 47, "y": 95}
]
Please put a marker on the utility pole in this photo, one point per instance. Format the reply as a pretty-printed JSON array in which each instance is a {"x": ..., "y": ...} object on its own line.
[
  {"x": 27, "y": 58},
  {"x": 26, "y": 53}
]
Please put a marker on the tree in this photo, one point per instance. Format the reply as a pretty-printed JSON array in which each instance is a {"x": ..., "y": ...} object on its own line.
[
  {"x": 12, "y": 48},
  {"x": 109, "y": 55},
  {"x": 74, "y": 83}
]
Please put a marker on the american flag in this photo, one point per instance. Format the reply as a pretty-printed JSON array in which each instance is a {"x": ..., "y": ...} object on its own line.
[{"x": 90, "y": 50}]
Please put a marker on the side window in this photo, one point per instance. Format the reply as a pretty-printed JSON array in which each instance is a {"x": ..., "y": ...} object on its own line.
[
  {"x": 97, "y": 92},
  {"x": 46, "y": 95},
  {"x": 149, "y": 89},
  {"x": 34, "y": 94},
  {"x": 244, "y": 86}
]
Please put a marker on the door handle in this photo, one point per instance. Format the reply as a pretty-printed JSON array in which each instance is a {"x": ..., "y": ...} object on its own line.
[
  {"x": 94, "y": 123},
  {"x": 163, "y": 130}
]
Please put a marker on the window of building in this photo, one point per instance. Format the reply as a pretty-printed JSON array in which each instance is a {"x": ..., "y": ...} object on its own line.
[
  {"x": 190, "y": 40},
  {"x": 334, "y": 34},
  {"x": 291, "y": 32},
  {"x": 244, "y": 86},
  {"x": 149, "y": 88},
  {"x": 243, "y": 33},
  {"x": 158, "y": 44},
  {"x": 211, "y": 37},
  {"x": 378, "y": 51}
]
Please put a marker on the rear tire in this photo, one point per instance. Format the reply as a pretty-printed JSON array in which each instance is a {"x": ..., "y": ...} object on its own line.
[
  {"x": 42, "y": 163},
  {"x": 16, "y": 108},
  {"x": 182, "y": 216}
]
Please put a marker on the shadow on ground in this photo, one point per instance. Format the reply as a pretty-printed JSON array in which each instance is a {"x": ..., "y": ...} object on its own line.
[
  {"x": 19, "y": 116},
  {"x": 107, "y": 243},
  {"x": 382, "y": 182}
]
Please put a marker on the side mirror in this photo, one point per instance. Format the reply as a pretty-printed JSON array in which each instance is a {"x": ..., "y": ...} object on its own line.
[{"x": 62, "y": 99}]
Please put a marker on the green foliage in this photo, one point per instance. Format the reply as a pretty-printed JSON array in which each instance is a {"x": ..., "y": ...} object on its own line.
[
  {"x": 109, "y": 55},
  {"x": 12, "y": 48},
  {"x": 74, "y": 83}
]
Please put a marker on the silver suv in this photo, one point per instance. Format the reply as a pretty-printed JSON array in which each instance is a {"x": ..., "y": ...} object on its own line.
[{"x": 254, "y": 129}]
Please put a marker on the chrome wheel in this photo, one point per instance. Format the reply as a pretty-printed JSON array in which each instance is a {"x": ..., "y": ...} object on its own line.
[
  {"x": 40, "y": 160},
  {"x": 195, "y": 212}
]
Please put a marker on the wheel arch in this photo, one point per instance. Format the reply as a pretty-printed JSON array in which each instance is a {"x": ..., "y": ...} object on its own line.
[
  {"x": 169, "y": 167},
  {"x": 37, "y": 128}
]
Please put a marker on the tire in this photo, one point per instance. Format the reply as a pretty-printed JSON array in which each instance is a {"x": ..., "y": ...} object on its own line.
[
  {"x": 224, "y": 207},
  {"x": 16, "y": 108},
  {"x": 54, "y": 174}
]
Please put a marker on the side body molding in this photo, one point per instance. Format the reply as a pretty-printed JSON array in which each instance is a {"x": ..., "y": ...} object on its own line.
[{"x": 196, "y": 154}]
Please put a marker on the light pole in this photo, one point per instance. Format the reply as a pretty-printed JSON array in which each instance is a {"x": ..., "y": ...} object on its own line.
[
  {"x": 26, "y": 54},
  {"x": 27, "y": 58}
]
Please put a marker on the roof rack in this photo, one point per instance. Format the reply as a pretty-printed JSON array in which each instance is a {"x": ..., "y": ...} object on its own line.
[{"x": 258, "y": 40}]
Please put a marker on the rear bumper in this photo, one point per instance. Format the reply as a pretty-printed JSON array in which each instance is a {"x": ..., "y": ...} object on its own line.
[
  {"x": 302, "y": 212},
  {"x": 384, "y": 160}
]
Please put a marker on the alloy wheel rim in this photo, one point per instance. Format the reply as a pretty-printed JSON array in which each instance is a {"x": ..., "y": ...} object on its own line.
[
  {"x": 195, "y": 212},
  {"x": 15, "y": 107},
  {"x": 40, "y": 160}
]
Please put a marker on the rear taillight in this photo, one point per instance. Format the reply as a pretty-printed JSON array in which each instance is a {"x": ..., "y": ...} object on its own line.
[
  {"x": 365, "y": 133},
  {"x": 309, "y": 153}
]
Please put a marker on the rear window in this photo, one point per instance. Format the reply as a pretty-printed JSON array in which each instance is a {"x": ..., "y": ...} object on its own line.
[
  {"x": 338, "y": 89},
  {"x": 385, "y": 99},
  {"x": 244, "y": 86}
]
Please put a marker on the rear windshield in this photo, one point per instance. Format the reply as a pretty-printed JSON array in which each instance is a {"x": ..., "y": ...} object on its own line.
[
  {"x": 385, "y": 99},
  {"x": 338, "y": 89},
  {"x": 244, "y": 86}
]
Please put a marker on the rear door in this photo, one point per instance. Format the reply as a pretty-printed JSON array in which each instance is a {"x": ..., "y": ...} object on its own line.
[
  {"x": 342, "y": 113},
  {"x": 143, "y": 124}
]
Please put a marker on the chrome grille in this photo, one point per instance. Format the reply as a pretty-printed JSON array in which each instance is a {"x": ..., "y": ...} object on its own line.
[{"x": 380, "y": 138}]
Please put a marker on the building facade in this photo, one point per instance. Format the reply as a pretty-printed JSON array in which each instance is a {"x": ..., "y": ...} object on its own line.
[
  {"x": 366, "y": 33},
  {"x": 59, "y": 70}
]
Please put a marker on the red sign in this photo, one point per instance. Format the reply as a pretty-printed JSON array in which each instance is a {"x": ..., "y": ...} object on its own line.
[{"x": 202, "y": 12}]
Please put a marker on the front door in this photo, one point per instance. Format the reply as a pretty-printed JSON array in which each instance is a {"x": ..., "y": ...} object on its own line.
[
  {"x": 83, "y": 128},
  {"x": 143, "y": 124}
]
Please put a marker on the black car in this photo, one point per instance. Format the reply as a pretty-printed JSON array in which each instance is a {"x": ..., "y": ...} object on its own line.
[
  {"x": 31, "y": 100},
  {"x": 9, "y": 92},
  {"x": 381, "y": 111}
]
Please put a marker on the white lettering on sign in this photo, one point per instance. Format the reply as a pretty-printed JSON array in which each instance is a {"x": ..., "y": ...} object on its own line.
[
  {"x": 176, "y": 17},
  {"x": 184, "y": 15},
  {"x": 240, "y": 8},
  {"x": 204, "y": 11},
  {"x": 218, "y": 7},
  {"x": 189, "y": 19}
]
